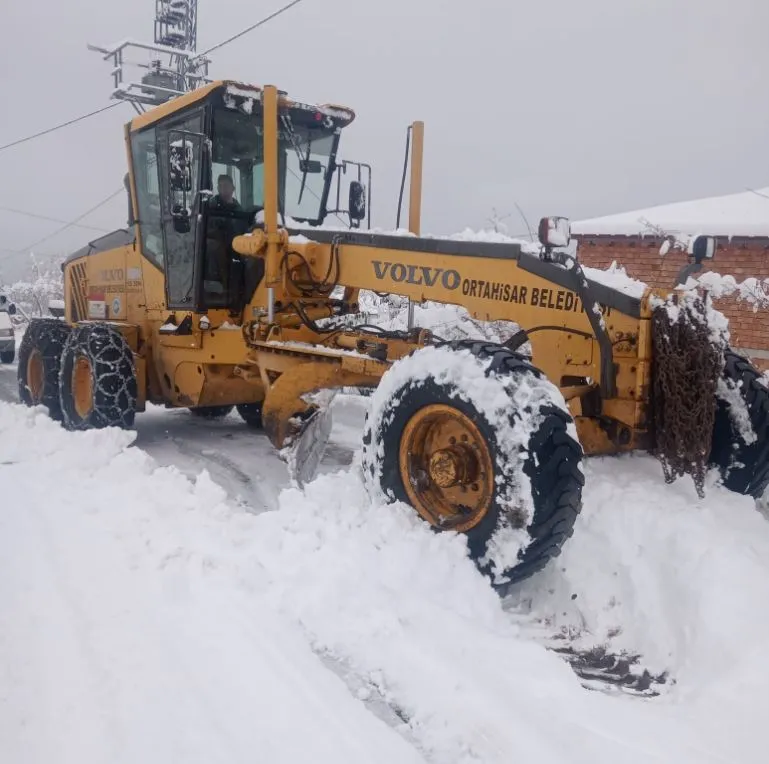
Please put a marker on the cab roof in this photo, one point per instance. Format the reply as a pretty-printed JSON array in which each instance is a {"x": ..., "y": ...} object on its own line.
[{"x": 233, "y": 88}]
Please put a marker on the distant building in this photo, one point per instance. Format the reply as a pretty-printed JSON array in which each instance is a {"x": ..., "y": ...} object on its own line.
[{"x": 740, "y": 223}]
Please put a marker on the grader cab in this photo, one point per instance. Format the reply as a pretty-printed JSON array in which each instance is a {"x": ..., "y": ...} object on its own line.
[{"x": 229, "y": 291}]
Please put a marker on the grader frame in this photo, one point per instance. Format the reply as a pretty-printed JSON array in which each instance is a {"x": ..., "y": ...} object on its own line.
[
  {"x": 592, "y": 341},
  {"x": 589, "y": 339},
  {"x": 279, "y": 334}
]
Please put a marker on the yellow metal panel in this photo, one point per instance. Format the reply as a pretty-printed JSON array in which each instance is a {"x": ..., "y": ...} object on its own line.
[
  {"x": 170, "y": 107},
  {"x": 272, "y": 275},
  {"x": 415, "y": 187}
]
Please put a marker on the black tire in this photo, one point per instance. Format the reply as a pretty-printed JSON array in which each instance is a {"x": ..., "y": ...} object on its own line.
[
  {"x": 548, "y": 478},
  {"x": 45, "y": 338},
  {"x": 8, "y": 356},
  {"x": 211, "y": 412},
  {"x": 111, "y": 373},
  {"x": 251, "y": 413},
  {"x": 744, "y": 466}
]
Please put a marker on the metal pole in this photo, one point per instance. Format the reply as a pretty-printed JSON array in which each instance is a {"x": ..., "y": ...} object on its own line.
[{"x": 415, "y": 191}]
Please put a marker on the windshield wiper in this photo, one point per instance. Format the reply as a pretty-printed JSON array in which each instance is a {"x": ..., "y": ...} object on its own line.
[
  {"x": 304, "y": 164},
  {"x": 305, "y": 167}
]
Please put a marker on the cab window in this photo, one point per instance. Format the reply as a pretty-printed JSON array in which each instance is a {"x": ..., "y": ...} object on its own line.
[{"x": 145, "y": 163}]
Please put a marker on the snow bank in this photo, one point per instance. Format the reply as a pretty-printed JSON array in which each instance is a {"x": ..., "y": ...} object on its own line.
[
  {"x": 132, "y": 620},
  {"x": 408, "y": 614},
  {"x": 685, "y": 582},
  {"x": 144, "y": 618}
]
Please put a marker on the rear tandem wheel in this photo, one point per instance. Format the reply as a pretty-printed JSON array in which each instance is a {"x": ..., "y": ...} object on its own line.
[
  {"x": 39, "y": 359},
  {"x": 97, "y": 379}
]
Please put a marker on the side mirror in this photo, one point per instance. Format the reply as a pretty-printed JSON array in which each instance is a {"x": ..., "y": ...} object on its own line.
[
  {"x": 554, "y": 232},
  {"x": 311, "y": 166},
  {"x": 702, "y": 248},
  {"x": 357, "y": 201},
  {"x": 179, "y": 165},
  {"x": 11, "y": 309},
  {"x": 181, "y": 219}
]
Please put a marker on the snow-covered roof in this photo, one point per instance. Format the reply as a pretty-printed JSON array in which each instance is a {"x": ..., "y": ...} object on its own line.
[{"x": 742, "y": 214}]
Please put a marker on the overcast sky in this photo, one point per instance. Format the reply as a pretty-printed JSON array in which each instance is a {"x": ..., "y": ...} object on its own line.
[{"x": 576, "y": 108}]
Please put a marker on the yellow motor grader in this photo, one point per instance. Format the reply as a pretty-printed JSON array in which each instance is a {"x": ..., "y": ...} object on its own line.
[{"x": 227, "y": 290}]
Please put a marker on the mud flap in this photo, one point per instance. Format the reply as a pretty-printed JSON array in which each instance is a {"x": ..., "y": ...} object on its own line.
[{"x": 306, "y": 448}]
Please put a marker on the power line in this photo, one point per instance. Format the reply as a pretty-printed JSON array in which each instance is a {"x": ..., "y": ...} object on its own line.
[
  {"x": 251, "y": 28},
  {"x": 50, "y": 219},
  {"x": 72, "y": 223},
  {"x": 58, "y": 127}
]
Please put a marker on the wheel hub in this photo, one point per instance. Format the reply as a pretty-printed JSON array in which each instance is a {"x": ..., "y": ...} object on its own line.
[
  {"x": 35, "y": 375},
  {"x": 451, "y": 466},
  {"x": 82, "y": 387},
  {"x": 446, "y": 467}
]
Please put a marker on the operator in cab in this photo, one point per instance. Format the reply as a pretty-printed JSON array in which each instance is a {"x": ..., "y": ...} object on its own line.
[
  {"x": 225, "y": 198},
  {"x": 221, "y": 230}
]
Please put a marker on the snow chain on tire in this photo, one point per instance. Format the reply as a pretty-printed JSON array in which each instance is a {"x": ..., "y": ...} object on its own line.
[
  {"x": 688, "y": 362},
  {"x": 112, "y": 378},
  {"x": 45, "y": 337}
]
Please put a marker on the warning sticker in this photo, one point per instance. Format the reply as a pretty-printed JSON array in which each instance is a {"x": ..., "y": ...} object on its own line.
[
  {"x": 97, "y": 304},
  {"x": 97, "y": 309}
]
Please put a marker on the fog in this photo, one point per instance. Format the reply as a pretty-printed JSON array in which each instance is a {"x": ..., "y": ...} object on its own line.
[{"x": 556, "y": 107}]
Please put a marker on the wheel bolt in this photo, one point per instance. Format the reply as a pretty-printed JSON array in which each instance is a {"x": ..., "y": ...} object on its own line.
[
  {"x": 475, "y": 486},
  {"x": 452, "y": 440}
]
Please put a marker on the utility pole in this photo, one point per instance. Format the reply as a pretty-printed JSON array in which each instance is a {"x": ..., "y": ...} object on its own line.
[{"x": 171, "y": 65}]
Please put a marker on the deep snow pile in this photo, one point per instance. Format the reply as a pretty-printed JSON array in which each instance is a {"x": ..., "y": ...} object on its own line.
[
  {"x": 132, "y": 624},
  {"x": 144, "y": 618}
]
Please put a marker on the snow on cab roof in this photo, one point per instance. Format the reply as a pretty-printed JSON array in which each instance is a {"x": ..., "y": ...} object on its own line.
[{"x": 741, "y": 214}]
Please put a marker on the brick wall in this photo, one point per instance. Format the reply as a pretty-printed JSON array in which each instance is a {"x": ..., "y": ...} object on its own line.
[{"x": 739, "y": 257}]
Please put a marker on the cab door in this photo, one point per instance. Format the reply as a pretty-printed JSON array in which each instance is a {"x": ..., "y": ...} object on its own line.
[{"x": 180, "y": 145}]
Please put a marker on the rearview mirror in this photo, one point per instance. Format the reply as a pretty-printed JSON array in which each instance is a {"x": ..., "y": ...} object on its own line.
[
  {"x": 357, "y": 201},
  {"x": 311, "y": 166},
  {"x": 554, "y": 232},
  {"x": 180, "y": 164},
  {"x": 702, "y": 248}
]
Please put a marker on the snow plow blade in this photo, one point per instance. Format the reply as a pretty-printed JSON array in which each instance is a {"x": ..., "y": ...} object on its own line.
[{"x": 306, "y": 447}]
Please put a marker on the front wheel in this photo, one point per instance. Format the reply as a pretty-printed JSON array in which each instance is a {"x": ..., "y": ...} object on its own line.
[
  {"x": 740, "y": 446},
  {"x": 479, "y": 442},
  {"x": 97, "y": 379}
]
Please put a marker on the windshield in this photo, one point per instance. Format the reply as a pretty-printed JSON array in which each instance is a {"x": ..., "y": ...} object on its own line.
[{"x": 305, "y": 148}]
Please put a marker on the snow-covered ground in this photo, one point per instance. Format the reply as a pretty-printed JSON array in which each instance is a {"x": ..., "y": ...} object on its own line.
[
  {"x": 147, "y": 615},
  {"x": 166, "y": 595}
]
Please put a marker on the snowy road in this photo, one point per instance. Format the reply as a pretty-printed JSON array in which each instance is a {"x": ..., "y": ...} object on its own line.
[
  {"x": 149, "y": 614},
  {"x": 9, "y": 390},
  {"x": 239, "y": 459}
]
